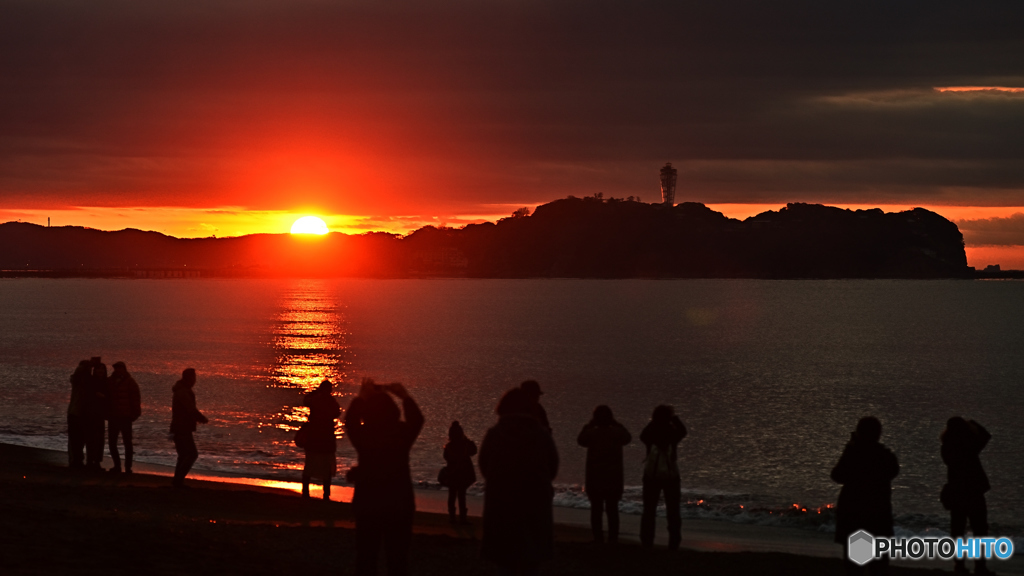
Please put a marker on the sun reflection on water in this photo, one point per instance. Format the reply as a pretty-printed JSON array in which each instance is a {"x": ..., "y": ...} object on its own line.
[{"x": 308, "y": 337}]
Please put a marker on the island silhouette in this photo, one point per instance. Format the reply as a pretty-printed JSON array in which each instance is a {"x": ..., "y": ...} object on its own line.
[{"x": 572, "y": 237}]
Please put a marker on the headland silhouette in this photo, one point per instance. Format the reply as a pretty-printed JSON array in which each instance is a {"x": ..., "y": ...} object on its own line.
[{"x": 571, "y": 238}]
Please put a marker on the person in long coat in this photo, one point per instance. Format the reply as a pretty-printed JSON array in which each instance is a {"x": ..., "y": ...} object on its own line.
[
  {"x": 184, "y": 416},
  {"x": 458, "y": 457},
  {"x": 77, "y": 406},
  {"x": 519, "y": 461},
  {"x": 320, "y": 442},
  {"x": 95, "y": 415},
  {"x": 604, "y": 438},
  {"x": 866, "y": 470},
  {"x": 966, "y": 482},
  {"x": 383, "y": 501},
  {"x": 124, "y": 406},
  {"x": 661, "y": 437}
]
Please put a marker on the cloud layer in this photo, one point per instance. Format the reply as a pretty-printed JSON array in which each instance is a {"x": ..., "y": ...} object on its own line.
[
  {"x": 449, "y": 106},
  {"x": 1008, "y": 231}
]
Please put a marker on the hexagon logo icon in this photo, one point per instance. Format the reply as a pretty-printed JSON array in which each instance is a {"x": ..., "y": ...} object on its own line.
[{"x": 860, "y": 547}]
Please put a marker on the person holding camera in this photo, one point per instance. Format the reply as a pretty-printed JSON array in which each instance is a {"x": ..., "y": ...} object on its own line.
[
  {"x": 964, "y": 492},
  {"x": 661, "y": 474},
  {"x": 383, "y": 501}
]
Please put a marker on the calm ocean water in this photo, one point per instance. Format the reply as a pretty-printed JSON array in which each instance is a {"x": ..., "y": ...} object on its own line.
[{"x": 769, "y": 376}]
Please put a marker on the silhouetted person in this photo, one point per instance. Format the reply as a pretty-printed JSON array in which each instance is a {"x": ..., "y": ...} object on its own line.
[
  {"x": 458, "y": 455},
  {"x": 77, "y": 431},
  {"x": 866, "y": 470},
  {"x": 661, "y": 474},
  {"x": 604, "y": 438},
  {"x": 321, "y": 443},
  {"x": 383, "y": 501},
  {"x": 533, "y": 393},
  {"x": 124, "y": 406},
  {"x": 966, "y": 482},
  {"x": 95, "y": 415},
  {"x": 184, "y": 416},
  {"x": 518, "y": 460}
]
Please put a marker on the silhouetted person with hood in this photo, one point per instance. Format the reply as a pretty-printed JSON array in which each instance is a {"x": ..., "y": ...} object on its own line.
[
  {"x": 533, "y": 393},
  {"x": 321, "y": 444},
  {"x": 95, "y": 414},
  {"x": 458, "y": 455},
  {"x": 866, "y": 470},
  {"x": 77, "y": 429},
  {"x": 184, "y": 416},
  {"x": 604, "y": 438},
  {"x": 383, "y": 502},
  {"x": 519, "y": 461},
  {"x": 661, "y": 474},
  {"x": 124, "y": 406},
  {"x": 966, "y": 483}
]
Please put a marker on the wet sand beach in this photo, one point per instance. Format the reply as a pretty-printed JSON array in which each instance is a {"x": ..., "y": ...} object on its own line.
[{"x": 58, "y": 521}]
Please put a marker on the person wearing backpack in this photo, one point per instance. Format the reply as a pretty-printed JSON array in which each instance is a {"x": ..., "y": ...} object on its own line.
[{"x": 661, "y": 474}]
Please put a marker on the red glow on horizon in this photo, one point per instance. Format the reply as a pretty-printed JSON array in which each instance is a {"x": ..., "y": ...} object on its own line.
[{"x": 1011, "y": 89}]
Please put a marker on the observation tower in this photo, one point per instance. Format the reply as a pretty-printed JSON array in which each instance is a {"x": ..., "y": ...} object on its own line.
[{"x": 668, "y": 185}]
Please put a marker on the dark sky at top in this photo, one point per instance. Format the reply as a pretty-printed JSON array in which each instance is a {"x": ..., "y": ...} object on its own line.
[{"x": 401, "y": 107}]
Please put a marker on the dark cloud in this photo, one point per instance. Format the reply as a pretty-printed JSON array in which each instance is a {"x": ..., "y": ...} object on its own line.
[
  {"x": 1008, "y": 231},
  {"x": 364, "y": 106}
]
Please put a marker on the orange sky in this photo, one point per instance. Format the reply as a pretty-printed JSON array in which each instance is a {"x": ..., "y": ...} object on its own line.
[{"x": 228, "y": 118}]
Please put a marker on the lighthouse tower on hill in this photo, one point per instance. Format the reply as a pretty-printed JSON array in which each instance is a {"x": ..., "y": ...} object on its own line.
[{"x": 668, "y": 185}]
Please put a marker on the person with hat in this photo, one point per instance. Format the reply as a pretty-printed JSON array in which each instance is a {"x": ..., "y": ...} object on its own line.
[
  {"x": 533, "y": 393},
  {"x": 124, "y": 406}
]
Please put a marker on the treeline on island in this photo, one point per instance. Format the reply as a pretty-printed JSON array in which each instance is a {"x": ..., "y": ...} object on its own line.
[{"x": 570, "y": 238}]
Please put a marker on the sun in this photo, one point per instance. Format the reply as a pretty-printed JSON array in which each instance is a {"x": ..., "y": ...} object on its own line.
[{"x": 309, "y": 225}]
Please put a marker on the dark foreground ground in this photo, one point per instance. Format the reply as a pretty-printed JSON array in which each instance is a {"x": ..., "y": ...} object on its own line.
[{"x": 53, "y": 521}]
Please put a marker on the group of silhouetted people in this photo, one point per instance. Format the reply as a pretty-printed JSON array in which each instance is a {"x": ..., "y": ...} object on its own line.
[
  {"x": 115, "y": 399},
  {"x": 519, "y": 463},
  {"x": 97, "y": 398},
  {"x": 867, "y": 468}
]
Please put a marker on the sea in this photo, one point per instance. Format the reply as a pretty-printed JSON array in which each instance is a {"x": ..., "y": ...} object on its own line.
[{"x": 770, "y": 377}]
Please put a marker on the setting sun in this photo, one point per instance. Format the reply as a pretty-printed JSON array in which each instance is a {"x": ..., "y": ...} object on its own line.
[{"x": 309, "y": 225}]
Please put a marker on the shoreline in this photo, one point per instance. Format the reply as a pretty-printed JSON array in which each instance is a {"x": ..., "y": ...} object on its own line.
[{"x": 242, "y": 504}]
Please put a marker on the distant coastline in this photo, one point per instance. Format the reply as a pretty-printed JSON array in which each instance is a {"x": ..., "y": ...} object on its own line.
[{"x": 568, "y": 238}]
